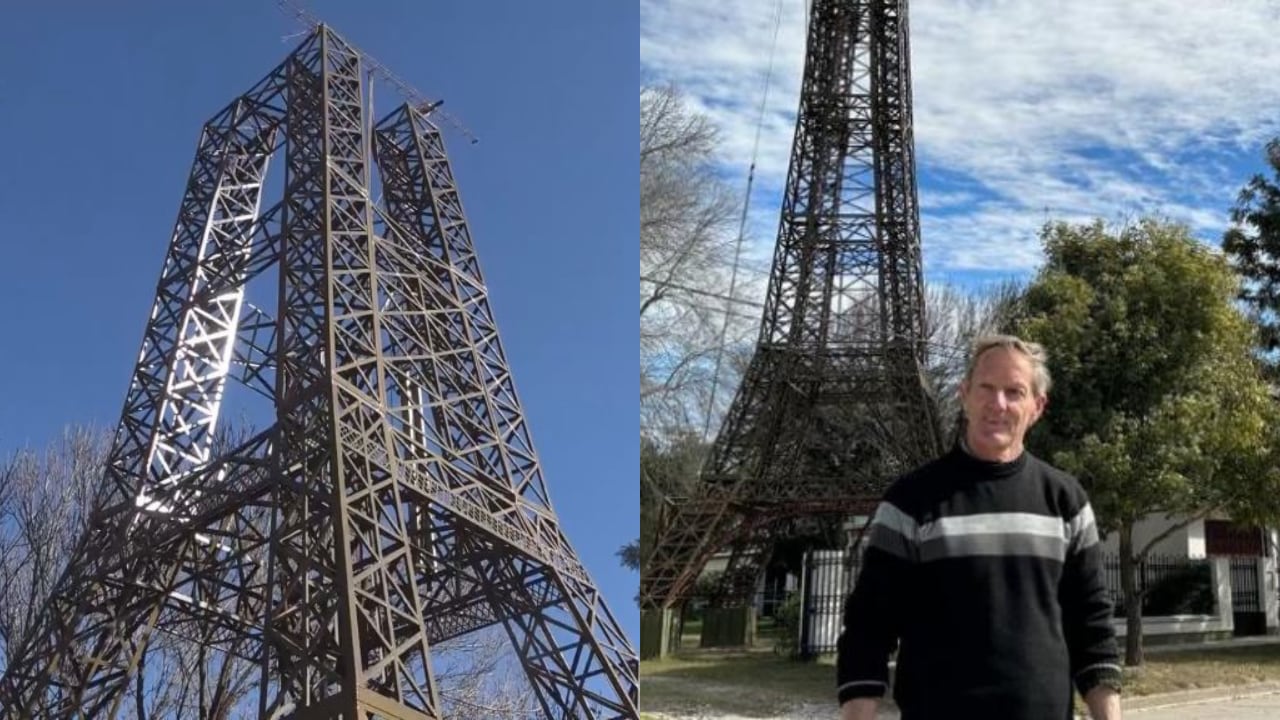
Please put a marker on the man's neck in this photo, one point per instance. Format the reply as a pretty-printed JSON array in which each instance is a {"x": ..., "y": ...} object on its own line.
[{"x": 968, "y": 449}]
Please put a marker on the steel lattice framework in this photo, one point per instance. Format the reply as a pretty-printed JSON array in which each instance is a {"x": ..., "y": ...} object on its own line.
[
  {"x": 395, "y": 503},
  {"x": 835, "y": 397}
]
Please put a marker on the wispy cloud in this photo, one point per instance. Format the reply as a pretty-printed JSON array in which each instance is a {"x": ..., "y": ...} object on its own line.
[{"x": 1024, "y": 109}]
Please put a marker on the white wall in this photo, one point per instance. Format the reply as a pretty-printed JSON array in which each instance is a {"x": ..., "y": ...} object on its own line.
[
  {"x": 1183, "y": 542},
  {"x": 1271, "y": 585},
  {"x": 716, "y": 564},
  {"x": 1195, "y": 540}
]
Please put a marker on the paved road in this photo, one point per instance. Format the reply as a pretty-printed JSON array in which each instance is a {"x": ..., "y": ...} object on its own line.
[
  {"x": 1256, "y": 707},
  {"x": 1250, "y": 708}
]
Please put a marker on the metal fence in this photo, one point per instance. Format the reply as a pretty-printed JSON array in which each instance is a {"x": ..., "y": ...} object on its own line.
[
  {"x": 766, "y": 602},
  {"x": 1245, "y": 591},
  {"x": 828, "y": 578},
  {"x": 1174, "y": 585}
]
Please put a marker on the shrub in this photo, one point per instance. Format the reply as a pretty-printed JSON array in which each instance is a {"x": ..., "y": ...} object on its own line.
[{"x": 787, "y": 617}]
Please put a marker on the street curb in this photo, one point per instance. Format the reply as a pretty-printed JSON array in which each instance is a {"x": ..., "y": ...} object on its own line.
[{"x": 1198, "y": 696}]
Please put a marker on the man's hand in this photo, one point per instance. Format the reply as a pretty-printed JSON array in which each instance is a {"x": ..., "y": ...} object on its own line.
[
  {"x": 1103, "y": 702},
  {"x": 862, "y": 709}
]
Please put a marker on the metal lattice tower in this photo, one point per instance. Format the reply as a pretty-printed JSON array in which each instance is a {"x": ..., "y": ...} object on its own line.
[
  {"x": 395, "y": 503},
  {"x": 835, "y": 398}
]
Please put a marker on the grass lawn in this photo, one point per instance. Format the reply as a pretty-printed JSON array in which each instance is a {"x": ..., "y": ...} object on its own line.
[
  {"x": 1191, "y": 669},
  {"x": 757, "y": 682},
  {"x": 752, "y": 682}
]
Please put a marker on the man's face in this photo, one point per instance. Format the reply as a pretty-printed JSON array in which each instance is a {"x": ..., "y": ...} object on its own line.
[{"x": 999, "y": 404}]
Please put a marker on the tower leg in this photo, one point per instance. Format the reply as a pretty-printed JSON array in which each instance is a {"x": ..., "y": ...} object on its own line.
[
  {"x": 659, "y": 633},
  {"x": 733, "y": 626}
]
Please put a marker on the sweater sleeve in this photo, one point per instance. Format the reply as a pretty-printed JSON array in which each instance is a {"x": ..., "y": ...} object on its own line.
[
  {"x": 1086, "y": 608},
  {"x": 872, "y": 612}
]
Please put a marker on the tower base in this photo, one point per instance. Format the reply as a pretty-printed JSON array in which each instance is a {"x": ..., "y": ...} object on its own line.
[
  {"x": 659, "y": 633},
  {"x": 729, "y": 627}
]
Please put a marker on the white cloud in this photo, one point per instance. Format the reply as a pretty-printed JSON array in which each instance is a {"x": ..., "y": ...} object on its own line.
[{"x": 1044, "y": 108}]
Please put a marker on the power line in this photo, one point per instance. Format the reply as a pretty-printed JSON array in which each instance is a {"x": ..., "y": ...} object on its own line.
[
  {"x": 429, "y": 108},
  {"x": 696, "y": 291},
  {"x": 945, "y": 349},
  {"x": 742, "y": 223}
]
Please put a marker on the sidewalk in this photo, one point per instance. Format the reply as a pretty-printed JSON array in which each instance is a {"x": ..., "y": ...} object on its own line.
[
  {"x": 1254, "y": 702},
  {"x": 1251, "y": 641},
  {"x": 1249, "y": 702},
  {"x": 1241, "y": 702}
]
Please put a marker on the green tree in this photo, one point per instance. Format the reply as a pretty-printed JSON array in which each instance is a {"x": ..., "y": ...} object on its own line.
[
  {"x": 629, "y": 556},
  {"x": 1253, "y": 245},
  {"x": 668, "y": 468},
  {"x": 1158, "y": 405}
]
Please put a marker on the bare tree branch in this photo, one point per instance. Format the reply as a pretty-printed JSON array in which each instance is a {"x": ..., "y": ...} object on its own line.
[
  {"x": 189, "y": 668},
  {"x": 686, "y": 241}
]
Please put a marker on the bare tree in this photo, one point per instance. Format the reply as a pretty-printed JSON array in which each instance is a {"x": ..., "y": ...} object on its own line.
[
  {"x": 685, "y": 208},
  {"x": 478, "y": 678},
  {"x": 686, "y": 246},
  {"x": 45, "y": 499},
  {"x": 866, "y": 438},
  {"x": 956, "y": 319},
  {"x": 188, "y": 669}
]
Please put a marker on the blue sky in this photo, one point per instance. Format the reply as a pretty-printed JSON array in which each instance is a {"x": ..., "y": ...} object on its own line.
[
  {"x": 1024, "y": 110},
  {"x": 100, "y": 109}
]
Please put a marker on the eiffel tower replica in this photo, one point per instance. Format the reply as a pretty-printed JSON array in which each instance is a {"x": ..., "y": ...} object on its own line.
[
  {"x": 395, "y": 501},
  {"x": 834, "y": 400}
]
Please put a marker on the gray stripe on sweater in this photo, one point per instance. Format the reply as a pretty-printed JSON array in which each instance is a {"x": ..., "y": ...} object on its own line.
[{"x": 994, "y": 544}]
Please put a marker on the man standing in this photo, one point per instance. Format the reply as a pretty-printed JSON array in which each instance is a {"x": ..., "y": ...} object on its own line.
[{"x": 983, "y": 566}]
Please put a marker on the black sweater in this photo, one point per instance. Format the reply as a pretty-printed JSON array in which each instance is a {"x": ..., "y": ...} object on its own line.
[{"x": 988, "y": 576}]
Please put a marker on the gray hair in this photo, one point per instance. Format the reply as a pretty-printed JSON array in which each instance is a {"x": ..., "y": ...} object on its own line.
[{"x": 1035, "y": 352}]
